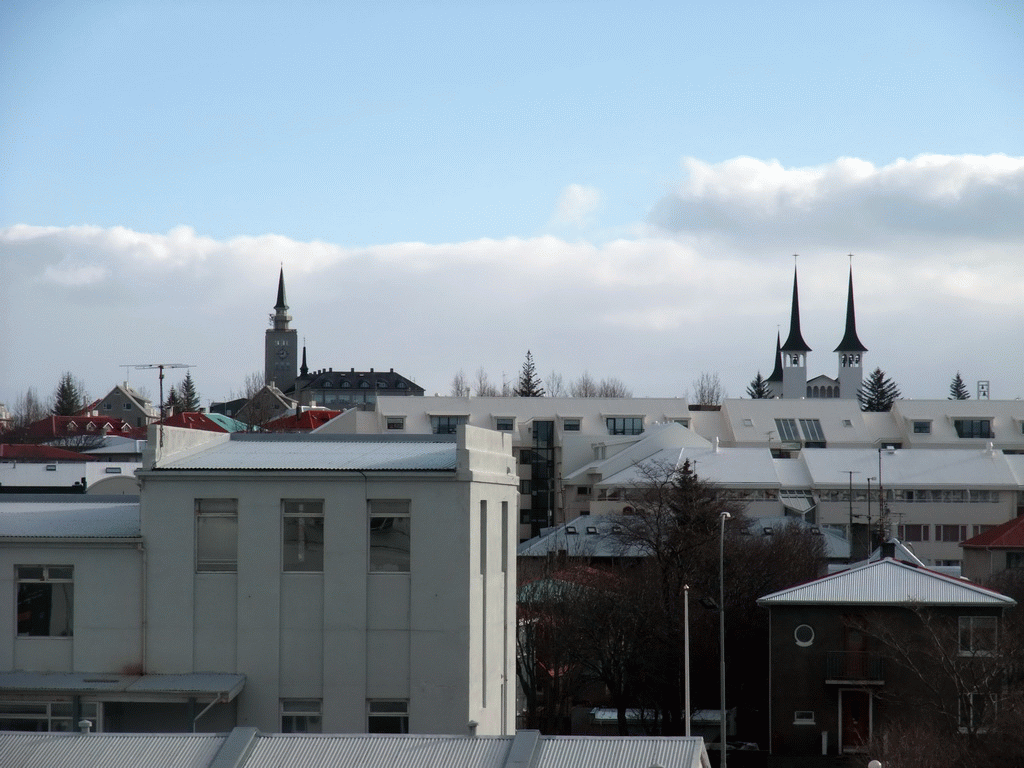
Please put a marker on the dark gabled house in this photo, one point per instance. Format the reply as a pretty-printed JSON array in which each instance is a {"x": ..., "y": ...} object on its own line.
[{"x": 880, "y": 643}]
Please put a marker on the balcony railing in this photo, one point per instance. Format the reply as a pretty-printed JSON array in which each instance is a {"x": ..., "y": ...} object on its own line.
[{"x": 846, "y": 666}]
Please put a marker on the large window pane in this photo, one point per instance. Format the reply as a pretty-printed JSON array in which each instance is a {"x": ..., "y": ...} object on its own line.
[
  {"x": 390, "y": 528},
  {"x": 303, "y": 535},
  {"x": 216, "y": 534},
  {"x": 45, "y": 601}
]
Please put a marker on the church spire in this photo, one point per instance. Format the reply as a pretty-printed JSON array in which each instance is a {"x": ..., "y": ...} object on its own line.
[
  {"x": 795, "y": 342},
  {"x": 850, "y": 342},
  {"x": 777, "y": 373},
  {"x": 281, "y": 318}
]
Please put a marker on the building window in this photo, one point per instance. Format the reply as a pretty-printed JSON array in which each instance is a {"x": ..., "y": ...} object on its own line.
[
  {"x": 922, "y": 427},
  {"x": 953, "y": 533},
  {"x": 812, "y": 433},
  {"x": 787, "y": 430},
  {"x": 977, "y": 711},
  {"x": 804, "y": 635},
  {"x": 108, "y": 406},
  {"x": 1015, "y": 559},
  {"x": 396, "y": 422},
  {"x": 446, "y": 425},
  {"x": 913, "y": 532},
  {"x": 301, "y": 716},
  {"x": 524, "y": 487},
  {"x": 45, "y": 600},
  {"x": 45, "y": 716},
  {"x": 387, "y": 716},
  {"x": 504, "y": 423},
  {"x": 847, "y": 423},
  {"x": 583, "y": 490},
  {"x": 571, "y": 425},
  {"x": 977, "y": 635},
  {"x": 112, "y": 470},
  {"x": 302, "y": 535},
  {"x": 973, "y": 427},
  {"x": 389, "y": 535},
  {"x": 216, "y": 534},
  {"x": 803, "y": 717},
  {"x": 625, "y": 425}
]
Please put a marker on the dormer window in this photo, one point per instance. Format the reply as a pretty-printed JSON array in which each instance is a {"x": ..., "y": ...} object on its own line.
[
  {"x": 922, "y": 427},
  {"x": 72, "y": 426},
  {"x": 364, "y": 384},
  {"x": 973, "y": 428},
  {"x": 346, "y": 385}
]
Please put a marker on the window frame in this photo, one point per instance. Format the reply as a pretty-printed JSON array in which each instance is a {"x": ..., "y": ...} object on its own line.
[
  {"x": 307, "y": 520},
  {"x": 967, "y": 429},
  {"x": 224, "y": 515},
  {"x": 385, "y": 510},
  {"x": 969, "y": 624},
  {"x": 24, "y": 581},
  {"x": 385, "y": 710},
  {"x": 572, "y": 424},
  {"x": 624, "y": 425},
  {"x": 305, "y": 712},
  {"x": 921, "y": 427},
  {"x": 446, "y": 423},
  {"x": 394, "y": 423}
]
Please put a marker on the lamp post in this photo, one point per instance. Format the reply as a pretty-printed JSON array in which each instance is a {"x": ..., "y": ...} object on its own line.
[
  {"x": 686, "y": 655},
  {"x": 721, "y": 631},
  {"x": 851, "y": 473},
  {"x": 870, "y": 542}
]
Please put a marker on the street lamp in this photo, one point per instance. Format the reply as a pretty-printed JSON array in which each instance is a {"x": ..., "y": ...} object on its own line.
[
  {"x": 686, "y": 654},
  {"x": 721, "y": 631},
  {"x": 870, "y": 542}
]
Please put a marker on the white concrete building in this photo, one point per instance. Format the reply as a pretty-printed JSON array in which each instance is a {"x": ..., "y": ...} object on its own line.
[
  {"x": 947, "y": 468},
  {"x": 284, "y": 582}
]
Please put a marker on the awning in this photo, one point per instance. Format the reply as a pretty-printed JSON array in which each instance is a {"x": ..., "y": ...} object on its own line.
[{"x": 201, "y": 687}]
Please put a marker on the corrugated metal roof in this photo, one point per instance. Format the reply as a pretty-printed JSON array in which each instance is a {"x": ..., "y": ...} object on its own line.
[
  {"x": 888, "y": 582},
  {"x": 316, "y": 452},
  {"x": 1009, "y": 535},
  {"x": 376, "y": 751},
  {"x": 617, "y": 752},
  {"x": 70, "y": 519},
  {"x": 587, "y": 536},
  {"x": 527, "y": 749},
  {"x": 107, "y": 750}
]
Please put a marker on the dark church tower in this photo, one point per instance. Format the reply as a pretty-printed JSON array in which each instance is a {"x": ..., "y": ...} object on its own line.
[
  {"x": 851, "y": 352},
  {"x": 281, "y": 358},
  {"x": 794, "y": 354}
]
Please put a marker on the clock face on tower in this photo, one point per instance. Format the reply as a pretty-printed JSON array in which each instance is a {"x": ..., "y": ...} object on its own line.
[{"x": 282, "y": 353}]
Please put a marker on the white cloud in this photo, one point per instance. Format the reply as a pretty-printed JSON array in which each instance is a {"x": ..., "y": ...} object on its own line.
[
  {"x": 655, "y": 311},
  {"x": 576, "y": 205}
]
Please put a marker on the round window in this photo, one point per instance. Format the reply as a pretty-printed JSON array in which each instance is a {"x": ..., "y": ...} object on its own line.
[{"x": 804, "y": 635}]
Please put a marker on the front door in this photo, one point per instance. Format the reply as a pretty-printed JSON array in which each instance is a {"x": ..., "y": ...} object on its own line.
[{"x": 854, "y": 720}]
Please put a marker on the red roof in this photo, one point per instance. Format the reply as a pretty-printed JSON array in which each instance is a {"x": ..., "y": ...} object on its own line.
[
  {"x": 53, "y": 427},
  {"x": 1009, "y": 535},
  {"x": 192, "y": 420},
  {"x": 40, "y": 453},
  {"x": 304, "y": 422}
]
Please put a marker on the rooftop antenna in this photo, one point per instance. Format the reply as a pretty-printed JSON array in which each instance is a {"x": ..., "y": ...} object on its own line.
[{"x": 161, "y": 367}]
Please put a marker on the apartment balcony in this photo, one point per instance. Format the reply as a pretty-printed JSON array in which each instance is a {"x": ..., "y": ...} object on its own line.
[{"x": 848, "y": 667}]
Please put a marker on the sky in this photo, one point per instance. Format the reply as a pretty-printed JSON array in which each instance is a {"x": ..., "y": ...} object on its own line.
[{"x": 619, "y": 188}]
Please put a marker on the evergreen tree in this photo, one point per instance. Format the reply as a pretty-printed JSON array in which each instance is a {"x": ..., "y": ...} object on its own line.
[
  {"x": 957, "y": 389},
  {"x": 529, "y": 382},
  {"x": 759, "y": 389},
  {"x": 187, "y": 394},
  {"x": 69, "y": 397},
  {"x": 878, "y": 392},
  {"x": 172, "y": 404}
]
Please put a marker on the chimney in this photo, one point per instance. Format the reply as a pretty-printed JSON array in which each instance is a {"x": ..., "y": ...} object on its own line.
[{"x": 889, "y": 549}]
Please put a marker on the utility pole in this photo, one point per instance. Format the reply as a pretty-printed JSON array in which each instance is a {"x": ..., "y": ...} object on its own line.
[
  {"x": 161, "y": 367},
  {"x": 851, "y": 473}
]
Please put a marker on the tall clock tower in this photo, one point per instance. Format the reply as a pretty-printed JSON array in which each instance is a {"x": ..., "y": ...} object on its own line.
[{"x": 281, "y": 348}]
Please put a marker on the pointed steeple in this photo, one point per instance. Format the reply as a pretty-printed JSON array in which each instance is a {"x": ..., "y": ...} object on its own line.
[
  {"x": 281, "y": 318},
  {"x": 304, "y": 369},
  {"x": 795, "y": 342},
  {"x": 850, "y": 342},
  {"x": 281, "y": 303},
  {"x": 777, "y": 373}
]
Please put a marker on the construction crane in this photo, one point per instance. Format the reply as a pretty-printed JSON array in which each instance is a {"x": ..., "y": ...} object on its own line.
[{"x": 161, "y": 367}]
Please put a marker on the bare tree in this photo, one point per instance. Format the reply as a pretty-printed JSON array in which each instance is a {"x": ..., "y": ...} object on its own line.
[
  {"x": 612, "y": 387},
  {"x": 708, "y": 389},
  {"x": 583, "y": 386},
  {"x": 27, "y": 409},
  {"x": 460, "y": 387},
  {"x": 484, "y": 386},
  {"x": 555, "y": 385}
]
